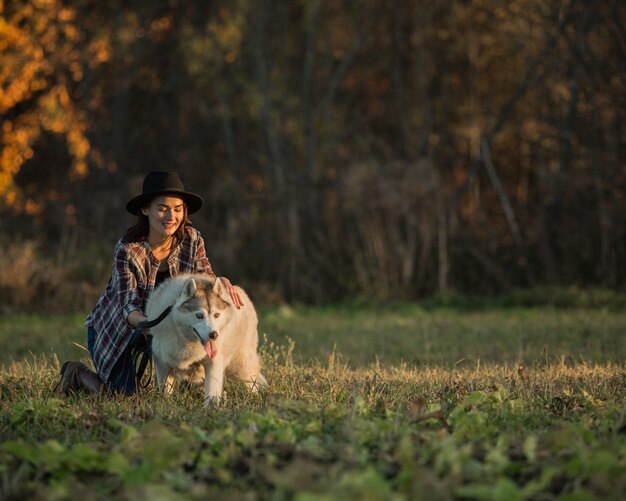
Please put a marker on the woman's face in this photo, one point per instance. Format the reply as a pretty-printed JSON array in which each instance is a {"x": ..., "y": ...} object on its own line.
[{"x": 165, "y": 213}]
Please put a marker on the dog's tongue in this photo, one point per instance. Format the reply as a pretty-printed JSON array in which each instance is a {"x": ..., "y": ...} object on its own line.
[{"x": 211, "y": 349}]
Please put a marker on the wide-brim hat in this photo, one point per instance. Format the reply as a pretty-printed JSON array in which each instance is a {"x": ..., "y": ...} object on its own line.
[{"x": 163, "y": 183}]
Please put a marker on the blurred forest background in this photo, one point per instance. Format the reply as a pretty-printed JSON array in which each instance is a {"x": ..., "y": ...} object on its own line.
[{"x": 368, "y": 149}]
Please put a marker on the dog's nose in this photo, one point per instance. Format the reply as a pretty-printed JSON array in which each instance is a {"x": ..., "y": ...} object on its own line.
[{"x": 213, "y": 335}]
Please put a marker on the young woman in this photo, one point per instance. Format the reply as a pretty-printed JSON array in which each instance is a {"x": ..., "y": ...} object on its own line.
[{"x": 160, "y": 245}]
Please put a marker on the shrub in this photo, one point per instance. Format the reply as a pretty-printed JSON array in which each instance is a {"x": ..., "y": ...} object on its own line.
[{"x": 30, "y": 281}]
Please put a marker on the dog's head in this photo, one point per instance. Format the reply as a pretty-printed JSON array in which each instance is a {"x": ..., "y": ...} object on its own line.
[{"x": 200, "y": 308}]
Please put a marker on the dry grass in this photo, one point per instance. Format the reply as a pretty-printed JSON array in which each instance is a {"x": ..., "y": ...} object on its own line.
[{"x": 330, "y": 428}]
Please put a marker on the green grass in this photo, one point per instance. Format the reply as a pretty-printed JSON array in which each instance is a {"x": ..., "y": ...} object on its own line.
[
  {"x": 402, "y": 334},
  {"x": 446, "y": 336},
  {"x": 406, "y": 401},
  {"x": 22, "y": 336}
]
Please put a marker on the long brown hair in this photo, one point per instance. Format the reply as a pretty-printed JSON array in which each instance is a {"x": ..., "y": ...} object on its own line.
[{"x": 141, "y": 229}]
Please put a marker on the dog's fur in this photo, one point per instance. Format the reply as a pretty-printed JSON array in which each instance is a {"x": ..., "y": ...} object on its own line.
[{"x": 204, "y": 335}]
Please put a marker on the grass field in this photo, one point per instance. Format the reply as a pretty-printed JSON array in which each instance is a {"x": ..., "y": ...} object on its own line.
[{"x": 394, "y": 402}]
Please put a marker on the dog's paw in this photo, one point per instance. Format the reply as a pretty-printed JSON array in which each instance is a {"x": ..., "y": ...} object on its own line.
[
  {"x": 257, "y": 383},
  {"x": 212, "y": 402}
]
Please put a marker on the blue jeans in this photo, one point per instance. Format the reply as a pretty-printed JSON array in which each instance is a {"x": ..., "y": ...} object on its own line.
[{"x": 122, "y": 377}]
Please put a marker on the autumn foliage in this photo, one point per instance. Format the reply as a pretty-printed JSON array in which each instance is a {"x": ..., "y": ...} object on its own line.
[
  {"x": 42, "y": 64},
  {"x": 345, "y": 149}
]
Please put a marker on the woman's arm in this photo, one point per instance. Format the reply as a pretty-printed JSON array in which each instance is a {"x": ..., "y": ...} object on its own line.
[
  {"x": 126, "y": 279},
  {"x": 202, "y": 265},
  {"x": 201, "y": 262}
]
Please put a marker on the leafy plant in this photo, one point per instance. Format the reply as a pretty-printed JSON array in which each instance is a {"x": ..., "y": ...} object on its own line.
[{"x": 326, "y": 430}]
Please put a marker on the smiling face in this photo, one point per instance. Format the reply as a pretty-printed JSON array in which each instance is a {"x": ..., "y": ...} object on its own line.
[{"x": 165, "y": 214}]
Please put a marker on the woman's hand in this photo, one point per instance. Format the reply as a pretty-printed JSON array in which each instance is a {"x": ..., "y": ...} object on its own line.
[
  {"x": 232, "y": 293},
  {"x": 135, "y": 318}
]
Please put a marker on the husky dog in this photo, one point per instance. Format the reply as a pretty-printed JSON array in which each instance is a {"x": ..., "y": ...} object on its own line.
[{"x": 204, "y": 335}]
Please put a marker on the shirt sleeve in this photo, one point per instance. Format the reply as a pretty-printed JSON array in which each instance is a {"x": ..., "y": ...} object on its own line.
[
  {"x": 126, "y": 278},
  {"x": 201, "y": 262}
]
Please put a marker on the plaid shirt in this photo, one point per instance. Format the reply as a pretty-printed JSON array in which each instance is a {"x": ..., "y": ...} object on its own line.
[{"x": 131, "y": 283}]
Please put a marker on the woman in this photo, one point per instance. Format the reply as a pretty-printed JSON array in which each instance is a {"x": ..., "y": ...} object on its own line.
[{"x": 161, "y": 244}]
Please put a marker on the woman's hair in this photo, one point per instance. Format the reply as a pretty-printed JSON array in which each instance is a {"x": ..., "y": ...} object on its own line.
[{"x": 140, "y": 230}]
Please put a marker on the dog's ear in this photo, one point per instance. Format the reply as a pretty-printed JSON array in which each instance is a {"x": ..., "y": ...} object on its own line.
[
  {"x": 189, "y": 290},
  {"x": 220, "y": 289}
]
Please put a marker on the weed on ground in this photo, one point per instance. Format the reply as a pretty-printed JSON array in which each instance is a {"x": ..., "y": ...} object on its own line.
[{"x": 343, "y": 421}]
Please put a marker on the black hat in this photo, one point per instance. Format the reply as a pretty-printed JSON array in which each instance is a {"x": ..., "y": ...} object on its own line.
[{"x": 163, "y": 183}]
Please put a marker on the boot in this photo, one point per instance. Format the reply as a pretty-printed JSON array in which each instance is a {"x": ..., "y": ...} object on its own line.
[{"x": 77, "y": 376}]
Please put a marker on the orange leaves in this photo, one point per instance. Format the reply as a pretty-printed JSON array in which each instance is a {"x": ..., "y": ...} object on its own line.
[
  {"x": 162, "y": 24},
  {"x": 22, "y": 64},
  {"x": 99, "y": 51},
  {"x": 16, "y": 149},
  {"x": 40, "y": 58},
  {"x": 60, "y": 116},
  {"x": 66, "y": 14}
]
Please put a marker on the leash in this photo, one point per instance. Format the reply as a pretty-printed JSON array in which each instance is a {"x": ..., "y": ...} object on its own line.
[{"x": 141, "y": 348}]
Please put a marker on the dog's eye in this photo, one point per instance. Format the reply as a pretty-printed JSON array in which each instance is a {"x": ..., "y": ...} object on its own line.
[
  {"x": 199, "y": 315},
  {"x": 216, "y": 315}
]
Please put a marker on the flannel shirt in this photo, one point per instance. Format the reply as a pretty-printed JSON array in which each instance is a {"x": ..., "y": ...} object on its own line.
[{"x": 131, "y": 284}]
